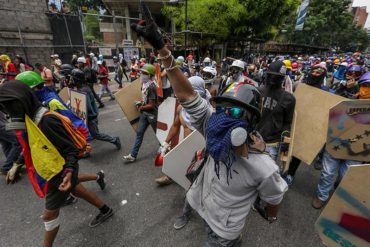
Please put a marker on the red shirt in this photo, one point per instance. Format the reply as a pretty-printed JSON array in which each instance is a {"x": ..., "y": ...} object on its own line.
[
  {"x": 103, "y": 72},
  {"x": 11, "y": 69}
]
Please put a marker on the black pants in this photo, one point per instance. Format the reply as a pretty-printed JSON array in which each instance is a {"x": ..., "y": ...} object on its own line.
[{"x": 91, "y": 86}]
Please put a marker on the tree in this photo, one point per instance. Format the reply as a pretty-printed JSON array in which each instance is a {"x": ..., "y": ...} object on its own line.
[
  {"x": 233, "y": 18},
  {"x": 329, "y": 24},
  {"x": 92, "y": 31}
]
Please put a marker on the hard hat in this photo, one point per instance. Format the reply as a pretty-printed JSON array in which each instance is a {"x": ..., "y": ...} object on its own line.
[
  {"x": 210, "y": 70},
  {"x": 158, "y": 159},
  {"x": 148, "y": 68},
  {"x": 78, "y": 75},
  {"x": 81, "y": 60},
  {"x": 181, "y": 59},
  {"x": 242, "y": 95},
  {"x": 345, "y": 64},
  {"x": 30, "y": 78},
  {"x": 251, "y": 67},
  {"x": 294, "y": 66},
  {"x": 288, "y": 64},
  {"x": 365, "y": 79},
  {"x": 207, "y": 60},
  {"x": 100, "y": 62},
  {"x": 92, "y": 54},
  {"x": 238, "y": 63},
  {"x": 336, "y": 61},
  {"x": 66, "y": 69}
]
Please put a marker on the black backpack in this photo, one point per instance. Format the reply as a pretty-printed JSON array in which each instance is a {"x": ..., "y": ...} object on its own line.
[{"x": 94, "y": 78}]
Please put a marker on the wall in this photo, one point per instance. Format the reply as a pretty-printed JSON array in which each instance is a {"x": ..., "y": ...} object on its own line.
[{"x": 34, "y": 26}]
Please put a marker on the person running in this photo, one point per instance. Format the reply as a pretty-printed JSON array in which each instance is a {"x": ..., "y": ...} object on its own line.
[
  {"x": 18, "y": 101},
  {"x": 80, "y": 83},
  {"x": 148, "y": 109},
  {"x": 236, "y": 170},
  {"x": 123, "y": 63},
  {"x": 91, "y": 78},
  {"x": 103, "y": 76},
  {"x": 118, "y": 70}
]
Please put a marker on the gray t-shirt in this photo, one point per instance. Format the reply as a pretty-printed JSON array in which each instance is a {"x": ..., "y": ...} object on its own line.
[{"x": 225, "y": 206}]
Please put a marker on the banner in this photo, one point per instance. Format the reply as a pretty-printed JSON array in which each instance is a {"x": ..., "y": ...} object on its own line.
[
  {"x": 302, "y": 15},
  {"x": 130, "y": 52},
  {"x": 78, "y": 104}
]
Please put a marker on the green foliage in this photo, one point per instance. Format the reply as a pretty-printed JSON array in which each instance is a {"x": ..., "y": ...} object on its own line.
[
  {"x": 232, "y": 18},
  {"x": 329, "y": 24},
  {"x": 92, "y": 31}
]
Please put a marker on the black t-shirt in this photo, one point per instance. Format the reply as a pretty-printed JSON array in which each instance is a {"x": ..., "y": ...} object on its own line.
[{"x": 277, "y": 113}]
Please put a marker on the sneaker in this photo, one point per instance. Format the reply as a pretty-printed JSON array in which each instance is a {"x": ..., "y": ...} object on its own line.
[
  {"x": 117, "y": 142},
  {"x": 100, "y": 218},
  {"x": 164, "y": 180},
  {"x": 317, "y": 203},
  {"x": 181, "y": 222},
  {"x": 129, "y": 158},
  {"x": 111, "y": 99},
  {"x": 69, "y": 201},
  {"x": 101, "y": 106},
  {"x": 101, "y": 180},
  {"x": 289, "y": 179}
]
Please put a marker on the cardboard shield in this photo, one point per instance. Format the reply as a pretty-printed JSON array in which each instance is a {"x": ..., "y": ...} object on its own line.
[
  {"x": 177, "y": 160},
  {"x": 311, "y": 125},
  {"x": 166, "y": 116},
  {"x": 126, "y": 98},
  {"x": 348, "y": 134},
  {"x": 64, "y": 95},
  {"x": 78, "y": 104},
  {"x": 345, "y": 221}
]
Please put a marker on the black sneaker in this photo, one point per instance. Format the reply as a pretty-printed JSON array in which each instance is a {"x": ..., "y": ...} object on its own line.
[
  {"x": 181, "y": 221},
  {"x": 101, "y": 180},
  {"x": 100, "y": 218},
  {"x": 101, "y": 106},
  {"x": 117, "y": 142},
  {"x": 69, "y": 201}
]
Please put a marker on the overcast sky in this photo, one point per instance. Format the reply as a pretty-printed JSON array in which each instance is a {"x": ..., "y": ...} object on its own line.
[{"x": 364, "y": 3}]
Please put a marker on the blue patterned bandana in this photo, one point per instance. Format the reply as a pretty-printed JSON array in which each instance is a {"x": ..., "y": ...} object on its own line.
[{"x": 218, "y": 135}]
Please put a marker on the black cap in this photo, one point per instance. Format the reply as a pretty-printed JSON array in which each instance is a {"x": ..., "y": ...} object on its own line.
[{"x": 277, "y": 68}]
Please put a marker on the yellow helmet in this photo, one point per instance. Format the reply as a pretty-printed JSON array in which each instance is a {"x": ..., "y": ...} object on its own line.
[
  {"x": 288, "y": 64},
  {"x": 336, "y": 61}
]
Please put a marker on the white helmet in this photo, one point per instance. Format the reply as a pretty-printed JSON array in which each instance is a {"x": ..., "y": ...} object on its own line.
[
  {"x": 238, "y": 63},
  {"x": 81, "y": 60},
  {"x": 210, "y": 70},
  {"x": 207, "y": 60},
  {"x": 92, "y": 54},
  {"x": 181, "y": 59}
]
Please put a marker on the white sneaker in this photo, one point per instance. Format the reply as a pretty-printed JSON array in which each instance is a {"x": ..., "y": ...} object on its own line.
[{"x": 129, "y": 158}]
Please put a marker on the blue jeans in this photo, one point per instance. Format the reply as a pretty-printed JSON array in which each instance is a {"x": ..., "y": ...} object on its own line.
[
  {"x": 144, "y": 121},
  {"x": 11, "y": 148},
  {"x": 213, "y": 240},
  {"x": 331, "y": 166},
  {"x": 273, "y": 151},
  {"x": 105, "y": 88}
]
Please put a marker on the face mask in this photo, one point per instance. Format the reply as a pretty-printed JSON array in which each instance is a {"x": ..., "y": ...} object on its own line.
[
  {"x": 315, "y": 80},
  {"x": 144, "y": 78},
  {"x": 236, "y": 75}
]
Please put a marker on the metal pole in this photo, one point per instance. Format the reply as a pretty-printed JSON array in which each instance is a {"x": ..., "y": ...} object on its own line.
[
  {"x": 69, "y": 36},
  {"x": 82, "y": 28},
  {"x": 115, "y": 32},
  {"x": 186, "y": 25},
  {"x": 20, "y": 36}
]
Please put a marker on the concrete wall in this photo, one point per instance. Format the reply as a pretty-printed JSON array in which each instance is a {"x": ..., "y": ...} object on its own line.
[{"x": 34, "y": 26}]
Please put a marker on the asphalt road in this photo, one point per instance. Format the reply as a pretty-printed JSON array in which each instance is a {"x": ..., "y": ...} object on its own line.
[{"x": 148, "y": 216}]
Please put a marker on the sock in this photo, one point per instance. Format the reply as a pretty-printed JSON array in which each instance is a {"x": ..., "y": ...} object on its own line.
[{"x": 104, "y": 209}]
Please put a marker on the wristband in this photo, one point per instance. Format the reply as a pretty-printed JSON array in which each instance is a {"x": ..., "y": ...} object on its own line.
[
  {"x": 65, "y": 171},
  {"x": 165, "y": 57}
]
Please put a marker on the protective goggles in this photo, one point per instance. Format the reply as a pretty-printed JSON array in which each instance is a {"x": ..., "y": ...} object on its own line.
[
  {"x": 233, "y": 112},
  {"x": 353, "y": 74}
]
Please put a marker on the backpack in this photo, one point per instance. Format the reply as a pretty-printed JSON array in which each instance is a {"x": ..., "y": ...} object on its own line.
[
  {"x": 77, "y": 137},
  {"x": 94, "y": 78}
]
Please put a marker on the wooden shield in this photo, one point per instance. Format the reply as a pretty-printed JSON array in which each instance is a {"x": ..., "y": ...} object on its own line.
[
  {"x": 348, "y": 134},
  {"x": 177, "y": 160},
  {"x": 311, "y": 125},
  {"x": 345, "y": 221},
  {"x": 126, "y": 98}
]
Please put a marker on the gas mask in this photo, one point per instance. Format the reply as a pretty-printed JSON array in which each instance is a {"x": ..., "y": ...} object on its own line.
[
  {"x": 144, "y": 78},
  {"x": 235, "y": 73},
  {"x": 16, "y": 113}
]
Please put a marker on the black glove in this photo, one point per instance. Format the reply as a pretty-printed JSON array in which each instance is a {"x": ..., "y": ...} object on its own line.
[{"x": 148, "y": 29}]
